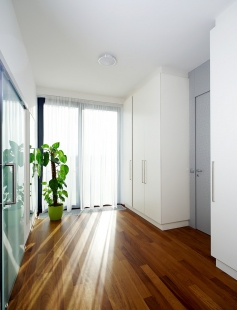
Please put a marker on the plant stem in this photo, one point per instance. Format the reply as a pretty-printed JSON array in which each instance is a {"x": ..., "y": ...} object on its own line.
[{"x": 53, "y": 168}]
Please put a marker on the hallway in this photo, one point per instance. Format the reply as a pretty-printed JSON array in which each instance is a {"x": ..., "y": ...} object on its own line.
[{"x": 117, "y": 260}]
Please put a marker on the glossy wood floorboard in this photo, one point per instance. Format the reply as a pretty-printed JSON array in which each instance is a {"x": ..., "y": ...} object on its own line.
[{"x": 116, "y": 260}]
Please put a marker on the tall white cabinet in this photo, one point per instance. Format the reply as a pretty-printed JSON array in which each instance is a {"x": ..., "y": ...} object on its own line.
[
  {"x": 127, "y": 152},
  {"x": 224, "y": 141},
  {"x": 146, "y": 149},
  {"x": 160, "y": 135}
]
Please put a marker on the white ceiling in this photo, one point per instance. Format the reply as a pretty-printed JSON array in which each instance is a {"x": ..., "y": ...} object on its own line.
[{"x": 64, "y": 39}]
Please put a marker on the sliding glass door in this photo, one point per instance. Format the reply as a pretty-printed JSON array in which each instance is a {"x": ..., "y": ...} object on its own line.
[
  {"x": 12, "y": 184},
  {"x": 89, "y": 133}
]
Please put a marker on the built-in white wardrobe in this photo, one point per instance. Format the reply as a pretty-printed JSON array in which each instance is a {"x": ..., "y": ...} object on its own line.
[
  {"x": 127, "y": 151},
  {"x": 156, "y": 151},
  {"x": 224, "y": 141}
]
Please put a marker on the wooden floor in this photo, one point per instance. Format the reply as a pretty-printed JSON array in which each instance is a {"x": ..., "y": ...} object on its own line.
[{"x": 116, "y": 260}]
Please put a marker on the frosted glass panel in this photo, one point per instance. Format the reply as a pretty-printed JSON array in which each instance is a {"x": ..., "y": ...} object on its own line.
[{"x": 12, "y": 186}]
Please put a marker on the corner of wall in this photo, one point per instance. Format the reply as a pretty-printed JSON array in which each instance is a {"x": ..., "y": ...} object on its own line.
[
  {"x": 227, "y": 16},
  {"x": 172, "y": 71},
  {"x": 14, "y": 55}
]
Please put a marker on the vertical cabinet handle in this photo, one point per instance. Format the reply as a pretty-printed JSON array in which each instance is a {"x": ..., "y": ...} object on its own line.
[
  {"x": 13, "y": 184},
  {"x": 145, "y": 172},
  {"x": 130, "y": 170},
  {"x": 213, "y": 181}
]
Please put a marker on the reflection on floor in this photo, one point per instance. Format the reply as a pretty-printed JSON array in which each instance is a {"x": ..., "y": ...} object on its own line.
[
  {"x": 116, "y": 260},
  {"x": 86, "y": 210}
]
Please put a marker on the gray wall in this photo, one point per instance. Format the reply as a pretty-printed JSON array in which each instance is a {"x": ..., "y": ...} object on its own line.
[{"x": 199, "y": 83}]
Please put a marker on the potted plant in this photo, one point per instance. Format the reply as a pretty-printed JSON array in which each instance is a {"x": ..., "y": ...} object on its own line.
[{"x": 54, "y": 191}]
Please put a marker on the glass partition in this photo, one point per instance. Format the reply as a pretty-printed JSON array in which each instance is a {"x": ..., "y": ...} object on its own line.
[{"x": 12, "y": 184}]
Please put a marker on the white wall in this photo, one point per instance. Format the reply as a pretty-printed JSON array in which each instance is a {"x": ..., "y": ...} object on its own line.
[
  {"x": 14, "y": 56},
  {"x": 15, "y": 59}
]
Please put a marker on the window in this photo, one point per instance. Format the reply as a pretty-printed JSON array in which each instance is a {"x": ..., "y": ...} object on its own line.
[{"x": 89, "y": 134}]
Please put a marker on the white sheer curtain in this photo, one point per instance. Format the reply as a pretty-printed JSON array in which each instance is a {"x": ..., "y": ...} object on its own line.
[
  {"x": 99, "y": 156},
  {"x": 61, "y": 125},
  {"x": 89, "y": 134}
]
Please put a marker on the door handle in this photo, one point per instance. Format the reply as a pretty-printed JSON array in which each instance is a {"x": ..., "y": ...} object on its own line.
[
  {"x": 213, "y": 181},
  {"x": 145, "y": 173},
  {"x": 13, "y": 184},
  {"x": 198, "y": 170}
]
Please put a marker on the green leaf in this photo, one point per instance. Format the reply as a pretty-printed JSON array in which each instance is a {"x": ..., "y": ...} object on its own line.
[
  {"x": 45, "y": 146},
  {"x": 53, "y": 184},
  {"x": 64, "y": 169},
  {"x": 61, "y": 176},
  {"x": 65, "y": 193},
  {"x": 36, "y": 167},
  {"x": 32, "y": 157},
  {"x": 60, "y": 153},
  {"x": 44, "y": 183},
  {"x": 39, "y": 157},
  {"x": 39, "y": 170},
  {"x": 33, "y": 171},
  {"x": 63, "y": 159},
  {"x": 56, "y": 145},
  {"x": 46, "y": 159},
  {"x": 62, "y": 198}
]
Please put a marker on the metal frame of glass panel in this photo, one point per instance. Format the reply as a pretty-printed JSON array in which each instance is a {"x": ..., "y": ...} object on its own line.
[
  {"x": 1, "y": 174},
  {"x": 11, "y": 85}
]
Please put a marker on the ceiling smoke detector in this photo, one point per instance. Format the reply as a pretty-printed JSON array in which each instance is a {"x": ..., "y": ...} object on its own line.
[{"x": 107, "y": 60}]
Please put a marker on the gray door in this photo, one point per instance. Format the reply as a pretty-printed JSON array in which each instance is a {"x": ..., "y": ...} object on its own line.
[{"x": 203, "y": 195}]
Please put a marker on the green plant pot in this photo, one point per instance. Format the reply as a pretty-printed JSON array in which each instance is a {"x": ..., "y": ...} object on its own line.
[{"x": 55, "y": 213}]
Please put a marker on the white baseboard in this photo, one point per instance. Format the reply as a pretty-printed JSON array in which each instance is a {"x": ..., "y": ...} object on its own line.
[
  {"x": 230, "y": 271},
  {"x": 160, "y": 226}
]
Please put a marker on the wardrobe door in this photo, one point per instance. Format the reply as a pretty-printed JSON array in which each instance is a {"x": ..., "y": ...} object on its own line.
[
  {"x": 174, "y": 148},
  {"x": 138, "y": 150},
  {"x": 152, "y": 149},
  {"x": 127, "y": 152},
  {"x": 223, "y": 145}
]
